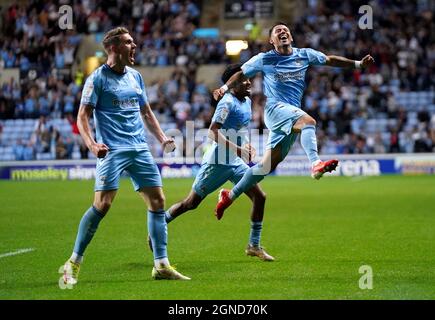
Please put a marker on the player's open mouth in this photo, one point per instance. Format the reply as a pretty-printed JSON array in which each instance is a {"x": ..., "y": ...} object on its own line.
[
  {"x": 283, "y": 37},
  {"x": 132, "y": 53}
]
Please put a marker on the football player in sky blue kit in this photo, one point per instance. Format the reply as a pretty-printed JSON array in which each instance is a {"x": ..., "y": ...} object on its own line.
[
  {"x": 223, "y": 161},
  {"x": 283, "y": 70},
  {"x": 115, "y": 95}
]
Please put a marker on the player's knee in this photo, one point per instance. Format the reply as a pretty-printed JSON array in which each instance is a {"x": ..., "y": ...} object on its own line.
[
  {"x": 158, "y": 202},
  {"x": 309, "y": 121},
  {"x": 103, "y": 206},
  {"x": 306, "y": 120}
]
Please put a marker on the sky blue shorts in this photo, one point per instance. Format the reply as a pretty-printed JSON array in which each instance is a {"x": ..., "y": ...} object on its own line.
[
  {"x": 140, "y": 165},
  {"x": 212, "y": 176},
  {"x": 279, "y": 119}
]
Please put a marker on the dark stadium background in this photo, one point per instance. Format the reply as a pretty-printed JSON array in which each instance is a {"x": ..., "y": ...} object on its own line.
[{"x": 388, "y": 108}]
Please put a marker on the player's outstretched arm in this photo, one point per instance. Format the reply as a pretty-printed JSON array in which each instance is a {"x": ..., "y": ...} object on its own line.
[
  {"x": 342, "y": 62},
  {"x": 98, "y": 149},
  {"x": 232, "y": 82},
  {"x": 153, "y": 125}
]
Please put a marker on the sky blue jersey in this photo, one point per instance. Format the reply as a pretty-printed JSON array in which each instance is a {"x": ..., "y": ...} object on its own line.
[
  {"x": 117, "y": 99},
  {"x": 283, "y": 75},
  {"x": 234, "y": 115}
]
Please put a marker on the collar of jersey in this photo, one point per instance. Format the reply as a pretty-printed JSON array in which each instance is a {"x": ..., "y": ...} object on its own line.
[
  {"x": 284, "y": 55},
  {"x": 115, "y": 72}
]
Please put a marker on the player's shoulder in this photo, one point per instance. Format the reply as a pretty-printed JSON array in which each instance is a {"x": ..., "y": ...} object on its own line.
[
  {"x": 266, "y": 54},
  {"x": 97, "y": 73},
  {"x": 227, "y": 99},
  {"x": 304, "y": 51},
  {"x": 259, "y": 56},
  {"x": 132, "y": 71},
  {"x": 95, "y": 77},
  {"x": 136, "y": 74},
  {"x": 269, "y": 53},
  {"x": 299, "y": 51}
]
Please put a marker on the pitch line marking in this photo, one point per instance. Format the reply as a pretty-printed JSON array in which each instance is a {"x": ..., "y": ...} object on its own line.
[{"x": 14, "y": 253}]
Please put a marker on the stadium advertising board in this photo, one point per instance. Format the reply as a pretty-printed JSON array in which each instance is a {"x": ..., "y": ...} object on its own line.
[{"x": 356, "y": 165}]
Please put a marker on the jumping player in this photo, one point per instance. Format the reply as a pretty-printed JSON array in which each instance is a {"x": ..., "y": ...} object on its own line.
[{"x": 283, "y": 70}]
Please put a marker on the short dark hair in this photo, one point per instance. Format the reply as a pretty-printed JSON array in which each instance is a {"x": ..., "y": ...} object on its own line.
[
  {"x": 112, "y": 36},
  {"x": 230, "y": 70},
  {"x": 279, "y": 23}
]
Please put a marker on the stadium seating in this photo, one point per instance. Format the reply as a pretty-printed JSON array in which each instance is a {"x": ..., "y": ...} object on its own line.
[{"x": 380, "y": 101}]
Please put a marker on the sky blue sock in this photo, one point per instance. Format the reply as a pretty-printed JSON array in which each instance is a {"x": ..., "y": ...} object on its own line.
[
  {"x": 248, "y": 180},
  {"x": 158, "y": 231},
  {"x": 309, "y": 142},
  {"x": 87, "y": 227},
  {"x": 255, "y": 235}
]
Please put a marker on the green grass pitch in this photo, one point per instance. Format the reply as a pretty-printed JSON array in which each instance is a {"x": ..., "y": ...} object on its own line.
[{"x": 320, "y": 232}]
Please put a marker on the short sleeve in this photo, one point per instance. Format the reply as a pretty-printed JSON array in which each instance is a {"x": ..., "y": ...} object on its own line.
[
  {"x": 253, "y": 65},
  {"x": 143, "y": 99},
  {"x": 315, "y": 58},
  {"x": 90, "y": 91},
  {"x": 222, "y": 110}
]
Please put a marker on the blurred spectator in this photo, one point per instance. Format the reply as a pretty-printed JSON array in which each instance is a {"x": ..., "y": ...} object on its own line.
[
  {"x": 394, "y": 141},
  {"x": 18, "y": 149},
  {"x": 29, "y": 151}
]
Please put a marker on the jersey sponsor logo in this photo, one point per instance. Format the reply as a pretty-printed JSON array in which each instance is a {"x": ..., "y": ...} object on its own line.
[
  {"x": 126, "y": 103},
  {"x": 287, "y": 76}
]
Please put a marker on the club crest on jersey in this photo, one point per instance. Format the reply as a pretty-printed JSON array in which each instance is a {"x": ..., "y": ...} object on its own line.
[
  {"x": 126, "y": 103},
  {"x": 222, "y": 116},
  {"x": 298, "y": 62}
]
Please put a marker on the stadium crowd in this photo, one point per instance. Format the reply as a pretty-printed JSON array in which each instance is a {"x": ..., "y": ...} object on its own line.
[{"x": 387, "y": 108}]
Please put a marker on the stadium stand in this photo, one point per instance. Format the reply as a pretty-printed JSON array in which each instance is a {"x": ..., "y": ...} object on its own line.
[{"x": 387, "y": 108}]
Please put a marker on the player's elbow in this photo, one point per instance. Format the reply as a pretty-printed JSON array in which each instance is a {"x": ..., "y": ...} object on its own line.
[
  {"x": 213, "y": 133},
  {"x": 329, "y": 60}
]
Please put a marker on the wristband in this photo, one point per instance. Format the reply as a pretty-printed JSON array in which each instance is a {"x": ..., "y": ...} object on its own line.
[
  {"x": 357, "y": 64},
  {"x": 225, "y": 87}
]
